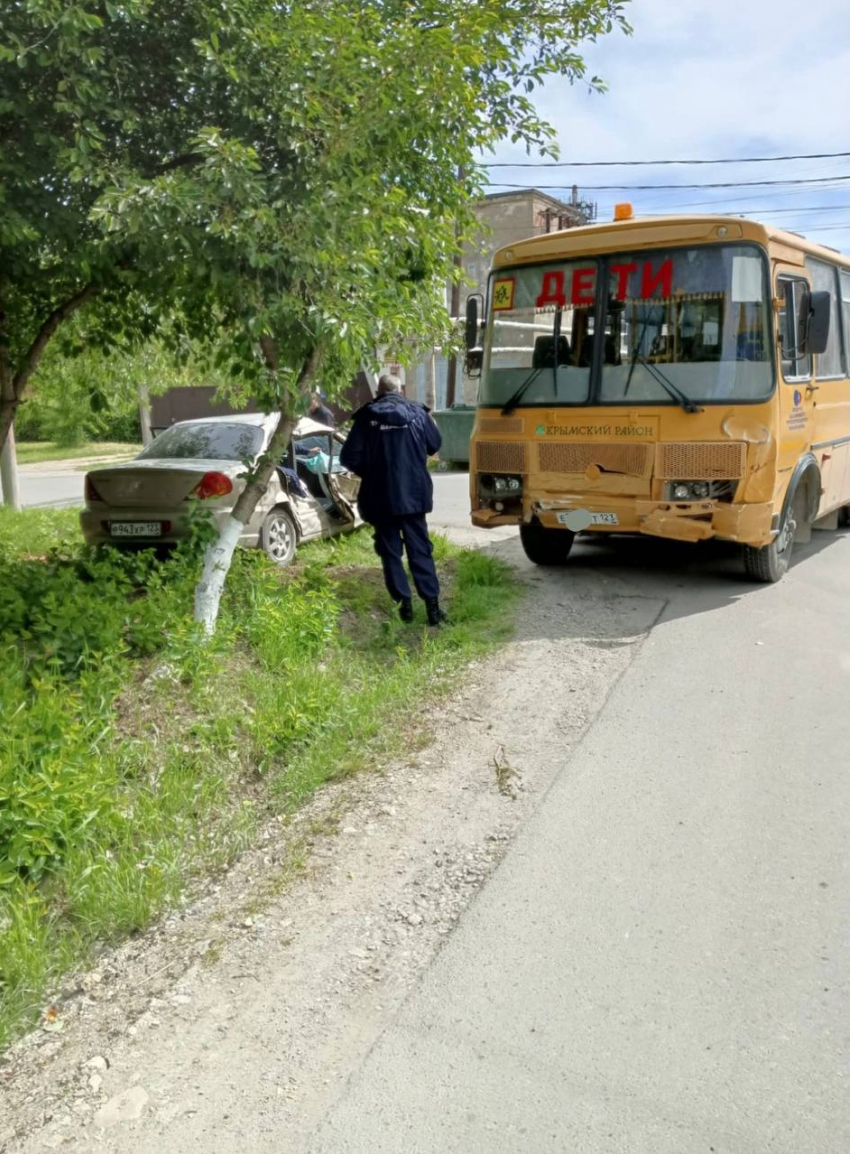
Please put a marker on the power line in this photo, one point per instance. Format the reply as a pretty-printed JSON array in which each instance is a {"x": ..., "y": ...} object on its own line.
[
  {"x": 637, "y": 163},
  {"x": 670, "y": 187},
  {"x": 813, "y": 227},
  {"x": 739, "y": 199},
  {"x": 800, "y": 210},
  {"x": 829, "y": 228}
]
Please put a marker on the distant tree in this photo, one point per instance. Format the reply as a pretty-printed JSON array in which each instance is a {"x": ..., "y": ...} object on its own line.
[
  {"x": 292, "y": 175},
  {"x": 83, "y": 392}
]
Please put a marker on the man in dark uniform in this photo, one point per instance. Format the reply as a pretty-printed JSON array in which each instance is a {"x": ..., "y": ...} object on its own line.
[
  {"x": 320, "y": 412},
  {"x": 388, "y": 448}
]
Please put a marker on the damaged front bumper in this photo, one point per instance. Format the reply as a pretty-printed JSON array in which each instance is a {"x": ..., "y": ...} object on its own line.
[{"x": 747, "y": 524}]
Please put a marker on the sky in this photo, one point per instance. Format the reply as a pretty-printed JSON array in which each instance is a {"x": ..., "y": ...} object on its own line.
[{"x": 710, "y": 79}]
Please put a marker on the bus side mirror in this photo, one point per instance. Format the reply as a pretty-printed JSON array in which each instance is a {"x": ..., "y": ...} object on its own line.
[
  {"x": 817, "y": 331},
  {"x": 474, "y": 350}
]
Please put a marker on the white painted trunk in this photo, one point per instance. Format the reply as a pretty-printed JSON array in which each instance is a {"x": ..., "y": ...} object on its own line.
[
  {"x": 217, "y": 560},
  {"x": 9, "y": 471}
]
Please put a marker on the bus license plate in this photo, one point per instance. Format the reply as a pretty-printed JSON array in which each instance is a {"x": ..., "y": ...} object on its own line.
[
  {"x": 595, "y": 519},
  {"x": 135, "y": 529}
]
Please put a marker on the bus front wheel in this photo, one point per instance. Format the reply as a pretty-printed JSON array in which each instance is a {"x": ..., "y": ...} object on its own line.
[
  {"x": 769, "y": 563},
  {"x": 546, "y": 546}
]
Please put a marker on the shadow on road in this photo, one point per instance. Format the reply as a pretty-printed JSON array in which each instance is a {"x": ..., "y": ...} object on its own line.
[{"x": 612, "y": 589}]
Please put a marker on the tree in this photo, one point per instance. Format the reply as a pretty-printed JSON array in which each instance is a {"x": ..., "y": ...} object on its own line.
[
  {"x": 89, "y": 92},
  {"x": 304, "y": 174}
]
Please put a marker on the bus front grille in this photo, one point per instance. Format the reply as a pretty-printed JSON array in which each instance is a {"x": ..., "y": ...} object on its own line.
[
  {"x": 496, "y": 426},
  {"x": 701, "y": 461},
  {"x": 500, "y": 457},
  {"x": 578, "y": 456}
]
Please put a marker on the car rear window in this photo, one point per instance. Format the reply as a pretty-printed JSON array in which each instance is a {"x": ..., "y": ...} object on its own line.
[{"x": 206, "y": 440}]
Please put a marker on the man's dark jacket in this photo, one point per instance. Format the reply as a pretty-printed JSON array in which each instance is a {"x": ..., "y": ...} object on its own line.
[{"x": 388, "y": 448}]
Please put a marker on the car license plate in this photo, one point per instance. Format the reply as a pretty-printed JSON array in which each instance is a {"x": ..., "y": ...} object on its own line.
[
  {"x": 135, "y": 528},
  {"x": 595, "y": 518}
]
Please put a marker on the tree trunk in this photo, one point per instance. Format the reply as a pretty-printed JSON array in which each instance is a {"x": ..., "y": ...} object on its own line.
[
  {"x": 8, "y": 399},
  {"x": 7, "y": 416},
  {"x": 13, "y": 384},
  {"x": 9, "y": 472},
  {"x": 219, "y": 554}
]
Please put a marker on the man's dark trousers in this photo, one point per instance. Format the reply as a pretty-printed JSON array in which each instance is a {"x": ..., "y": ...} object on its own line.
[{"x": 411, "y": 533}]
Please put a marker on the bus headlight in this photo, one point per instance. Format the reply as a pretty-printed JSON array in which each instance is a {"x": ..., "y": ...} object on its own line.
[
  {"x": 688, "y": 490},
  {"x": 502, "y": 484}
]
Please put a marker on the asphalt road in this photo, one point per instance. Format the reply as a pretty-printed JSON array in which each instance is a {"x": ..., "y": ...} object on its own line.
[
  {"x": 56, "y": 487},
  {"x": 659, "y": 965}
]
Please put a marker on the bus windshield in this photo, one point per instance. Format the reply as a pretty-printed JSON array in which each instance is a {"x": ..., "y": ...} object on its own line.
[{"x": 689, "y": 323}]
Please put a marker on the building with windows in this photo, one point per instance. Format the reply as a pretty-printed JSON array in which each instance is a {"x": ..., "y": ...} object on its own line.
[{"x": 504, "y": 217}]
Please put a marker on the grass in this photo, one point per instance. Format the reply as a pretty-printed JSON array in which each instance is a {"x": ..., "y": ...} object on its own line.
[
  {"x": 33, "y": 452},
  {"x": 135, "y": 757}
]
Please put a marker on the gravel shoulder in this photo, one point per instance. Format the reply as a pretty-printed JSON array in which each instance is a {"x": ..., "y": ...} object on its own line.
[{"x": 238, "y": 1021}]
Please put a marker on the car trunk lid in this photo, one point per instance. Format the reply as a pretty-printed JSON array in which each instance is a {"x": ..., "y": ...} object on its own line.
[{"x": 156, "y": 484}]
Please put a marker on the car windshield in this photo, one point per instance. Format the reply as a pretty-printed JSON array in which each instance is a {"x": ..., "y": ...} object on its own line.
[
  {"x": 689, "y": 323},
  {"x": 206, "y": 440}
]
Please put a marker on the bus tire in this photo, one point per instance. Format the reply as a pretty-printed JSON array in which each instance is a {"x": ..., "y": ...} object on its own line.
[
  {"x": 545, "y": 546},
  {"x": 767, "y": 564},
  {"x": 844, "y": 517},
  {"x": 770, "y": 563}
]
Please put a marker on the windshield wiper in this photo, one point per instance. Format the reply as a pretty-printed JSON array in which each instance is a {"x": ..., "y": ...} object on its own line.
[
  {"x": 512, "y": 402},
  {"x": 667, "y": 385},
  {"x": 517, "y": 396}
]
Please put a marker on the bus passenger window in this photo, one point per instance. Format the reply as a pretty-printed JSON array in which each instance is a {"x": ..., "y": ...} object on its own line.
[
  {"x": 824, "y": 280},
  {"x": 792, "y": 329}
]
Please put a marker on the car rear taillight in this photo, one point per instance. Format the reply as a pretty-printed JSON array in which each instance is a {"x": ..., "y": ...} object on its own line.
[
  {"x": 90, "y": 491},
  {"x": 212, "y": 485}
]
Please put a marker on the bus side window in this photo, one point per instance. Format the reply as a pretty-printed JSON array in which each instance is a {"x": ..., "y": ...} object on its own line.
[
  {"x": 792, "y": 328},
  {"x": 824, "y": 278}
]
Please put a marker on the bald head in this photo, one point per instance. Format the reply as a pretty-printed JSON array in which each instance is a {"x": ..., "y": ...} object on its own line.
[{"x": 388, "y": 383}]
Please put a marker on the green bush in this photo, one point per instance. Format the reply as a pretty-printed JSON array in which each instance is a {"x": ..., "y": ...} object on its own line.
[{"x": 134, "y": 754}]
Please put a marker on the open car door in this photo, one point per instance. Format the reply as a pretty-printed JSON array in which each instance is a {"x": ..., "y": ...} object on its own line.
[
  {"x": 343, "y": 486},
  {"x": 342, "y": 489}
]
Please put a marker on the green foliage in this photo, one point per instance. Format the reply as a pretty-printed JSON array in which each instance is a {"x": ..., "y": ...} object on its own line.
[
  {"x": 83, "y": 392},
  {"x": 260, "y": 174},
  {"x": 135, "y": 755}
]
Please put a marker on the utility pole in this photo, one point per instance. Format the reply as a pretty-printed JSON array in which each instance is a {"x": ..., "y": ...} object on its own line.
[
  {"x": 145, "y": 415},
  {"x": 9, "y": 472},
  {"x": 431, "y": 390},
  {"x": 454, "y": 307}
]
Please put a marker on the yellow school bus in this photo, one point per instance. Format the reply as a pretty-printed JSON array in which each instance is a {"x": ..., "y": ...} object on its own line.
[{"x": 683, "y": 377}]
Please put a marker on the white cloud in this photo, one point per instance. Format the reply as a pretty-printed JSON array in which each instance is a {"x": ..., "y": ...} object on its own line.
[{"x": 711, "y": 79}]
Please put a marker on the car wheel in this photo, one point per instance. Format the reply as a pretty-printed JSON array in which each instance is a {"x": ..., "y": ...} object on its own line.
[
  {"x": 278, "y": 537},
  {"x": 546, "y": 546}
]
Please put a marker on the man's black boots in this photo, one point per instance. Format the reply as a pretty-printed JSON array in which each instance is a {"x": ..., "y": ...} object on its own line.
[
  {"x": 436, "y": 616},
  {"x": 405, "y": 610}
]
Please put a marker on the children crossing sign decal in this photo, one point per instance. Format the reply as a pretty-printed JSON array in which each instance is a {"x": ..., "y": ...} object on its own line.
[{"x": 503, "y": 293}]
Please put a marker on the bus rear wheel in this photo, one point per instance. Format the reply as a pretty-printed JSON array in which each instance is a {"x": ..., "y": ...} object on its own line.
[{"x": 546, "y": 546}]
